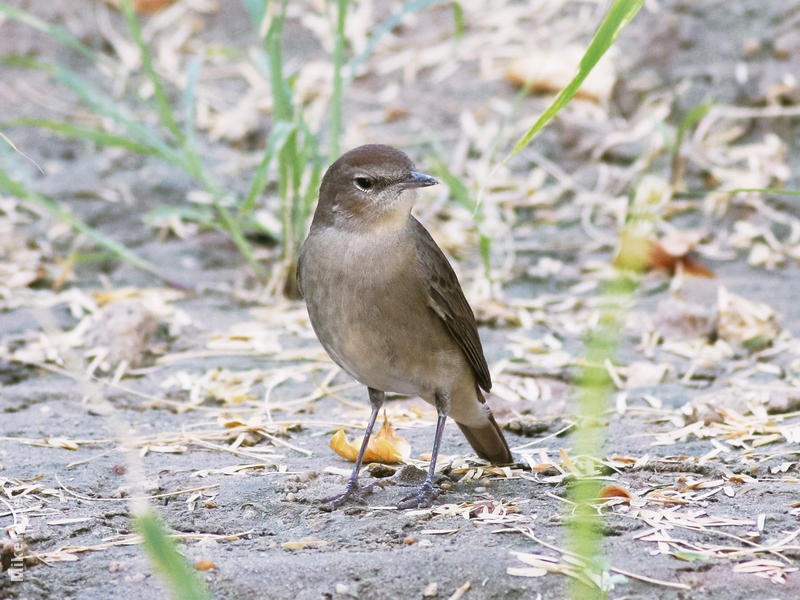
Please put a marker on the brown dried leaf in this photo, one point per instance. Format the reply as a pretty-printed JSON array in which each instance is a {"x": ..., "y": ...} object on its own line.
[
  {"x": 639, "y": 253},
  {"x": 614, "y": 491},
  {"x": 662, "y": 259}
]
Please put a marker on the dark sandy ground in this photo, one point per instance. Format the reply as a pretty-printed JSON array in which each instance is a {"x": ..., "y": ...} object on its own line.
[{"x": 703, "y": 434}]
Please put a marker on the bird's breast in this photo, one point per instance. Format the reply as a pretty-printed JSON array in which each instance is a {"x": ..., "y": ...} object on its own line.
[{"x": 369, "y": 308}]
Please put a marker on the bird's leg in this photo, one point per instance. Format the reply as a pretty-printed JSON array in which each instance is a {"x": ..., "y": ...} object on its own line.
[
  {"x": 353, "y": 491},
  {"x": 425, "y": 495}
]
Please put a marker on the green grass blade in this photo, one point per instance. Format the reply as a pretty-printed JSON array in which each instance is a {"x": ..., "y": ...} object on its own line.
[
  {"x": 19, "y": 152},
  {"x": 257, "y": 10},
  {"x": 15, "y": 188},
  {"x": 692, "y": 117},
  {"x": 277, "y": 139},
  {"x": 234, "y": 229},
  {"x": 776, "y": 191},
  {"x": 313, "y": 186},
  {"x": 190, "y": 102},
  {"x": 386, "y": 27},
  {"x": 162, "y": 103},
  {"x": 458, "y": 19},
  {"x": 62, "y": 35},
  {"x": 163, "y": 553},
  {"x": 21, "y": 61},
  {"x": 289, "y": 168},
  {"x": 105, "y": 106},
  {"x": 189, "y": 141},
  {"x": 462, "y": 196},
  {"x": 73, "y": 131},
  {"x": 283, "y": 109},
  {"x": 304, "y": 200},
  {"x": 297, "y": 152},
  {"x": 281, "y": 93},
  {"x": 619, "y": 15},
  {"x": 336, "y": 96},
  {"x": 203, "y": 216}
]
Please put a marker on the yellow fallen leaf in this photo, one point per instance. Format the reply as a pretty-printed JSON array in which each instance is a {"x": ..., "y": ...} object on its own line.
[
  {"x": 566, "y": 461},
  {"x": 384, "y": 446},
  {"x": 205, "y": 565},
  {"x": 304, "y": 543}
]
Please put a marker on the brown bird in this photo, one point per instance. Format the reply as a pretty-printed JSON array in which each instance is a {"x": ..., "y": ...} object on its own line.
[{"x": 388, "y": 308}]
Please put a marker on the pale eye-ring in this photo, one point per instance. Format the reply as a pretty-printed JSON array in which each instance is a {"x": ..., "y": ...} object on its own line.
[{"x": 365, "y": 184}]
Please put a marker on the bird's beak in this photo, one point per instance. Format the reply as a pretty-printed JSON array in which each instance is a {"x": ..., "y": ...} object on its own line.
[{"x": 415, "y": 180}]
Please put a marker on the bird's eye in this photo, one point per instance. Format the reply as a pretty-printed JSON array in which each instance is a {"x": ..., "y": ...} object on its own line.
[{"x": 363, "y": 183}]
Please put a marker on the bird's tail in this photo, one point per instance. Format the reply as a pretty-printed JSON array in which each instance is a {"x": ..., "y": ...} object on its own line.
[{"x": 488, "y": 440}]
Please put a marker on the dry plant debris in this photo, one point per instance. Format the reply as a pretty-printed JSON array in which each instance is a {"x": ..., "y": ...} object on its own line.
[{"x": 383, "y": 446}]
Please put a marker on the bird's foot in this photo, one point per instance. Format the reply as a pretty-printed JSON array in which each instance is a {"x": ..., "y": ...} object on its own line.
[
  {"x": 352, "y": 493},
  {"x": 422, "y": 498}
]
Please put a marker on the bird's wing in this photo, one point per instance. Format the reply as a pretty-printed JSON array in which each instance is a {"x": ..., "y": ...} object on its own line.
[{"x": 447, "y": 300}]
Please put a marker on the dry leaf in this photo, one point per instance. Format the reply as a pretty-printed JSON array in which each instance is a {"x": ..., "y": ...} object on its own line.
[
  {"x": 679, "y": 319},
  {"x": 526, "y": 571},
  {"x": 146, "y": 6},
  {"x": 204, "y": 565},
  {"x": 552, "y": 70},
  {"x": 663, "y": 259},
  {"x": 384, "y": 446},
  {"x": 566, "y": 461},
  {"x": 752, "y": 324},
  {"x": 639, "y": 253},
  {"x": 644, "y": 373},
  {"x": 304, "y": 543},
  {"x": 614, "y": 491},
  {"x": 541, "y": 467},
  {"x": 61, "y": 443},
  {"x": 122, "y": 331}
]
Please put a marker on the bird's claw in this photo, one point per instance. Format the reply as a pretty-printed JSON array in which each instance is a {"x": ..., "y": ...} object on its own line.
[
  {"x": 422, "y": 498},
  {"x": 352, "y": 493}
]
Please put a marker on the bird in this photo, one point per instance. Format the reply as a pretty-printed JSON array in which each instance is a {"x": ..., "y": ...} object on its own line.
[{"x": 387, "y": 306}]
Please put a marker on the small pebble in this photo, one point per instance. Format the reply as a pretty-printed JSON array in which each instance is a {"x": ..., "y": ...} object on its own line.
[
  {"x": 290, "y": 497},
  {"x": 480, "y": 489},
  {"x": 431, "y": 590},
  {"x": 380, "y": 470},
  {"x": 409, "y": 540},
  {"x": 343, "y": 589},
  {"x": 750, "y": 46},
  {"x": 446, "y": 486}
]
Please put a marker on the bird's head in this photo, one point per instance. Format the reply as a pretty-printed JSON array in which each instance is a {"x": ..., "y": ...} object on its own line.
[{"x": 369, "y": 186}]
